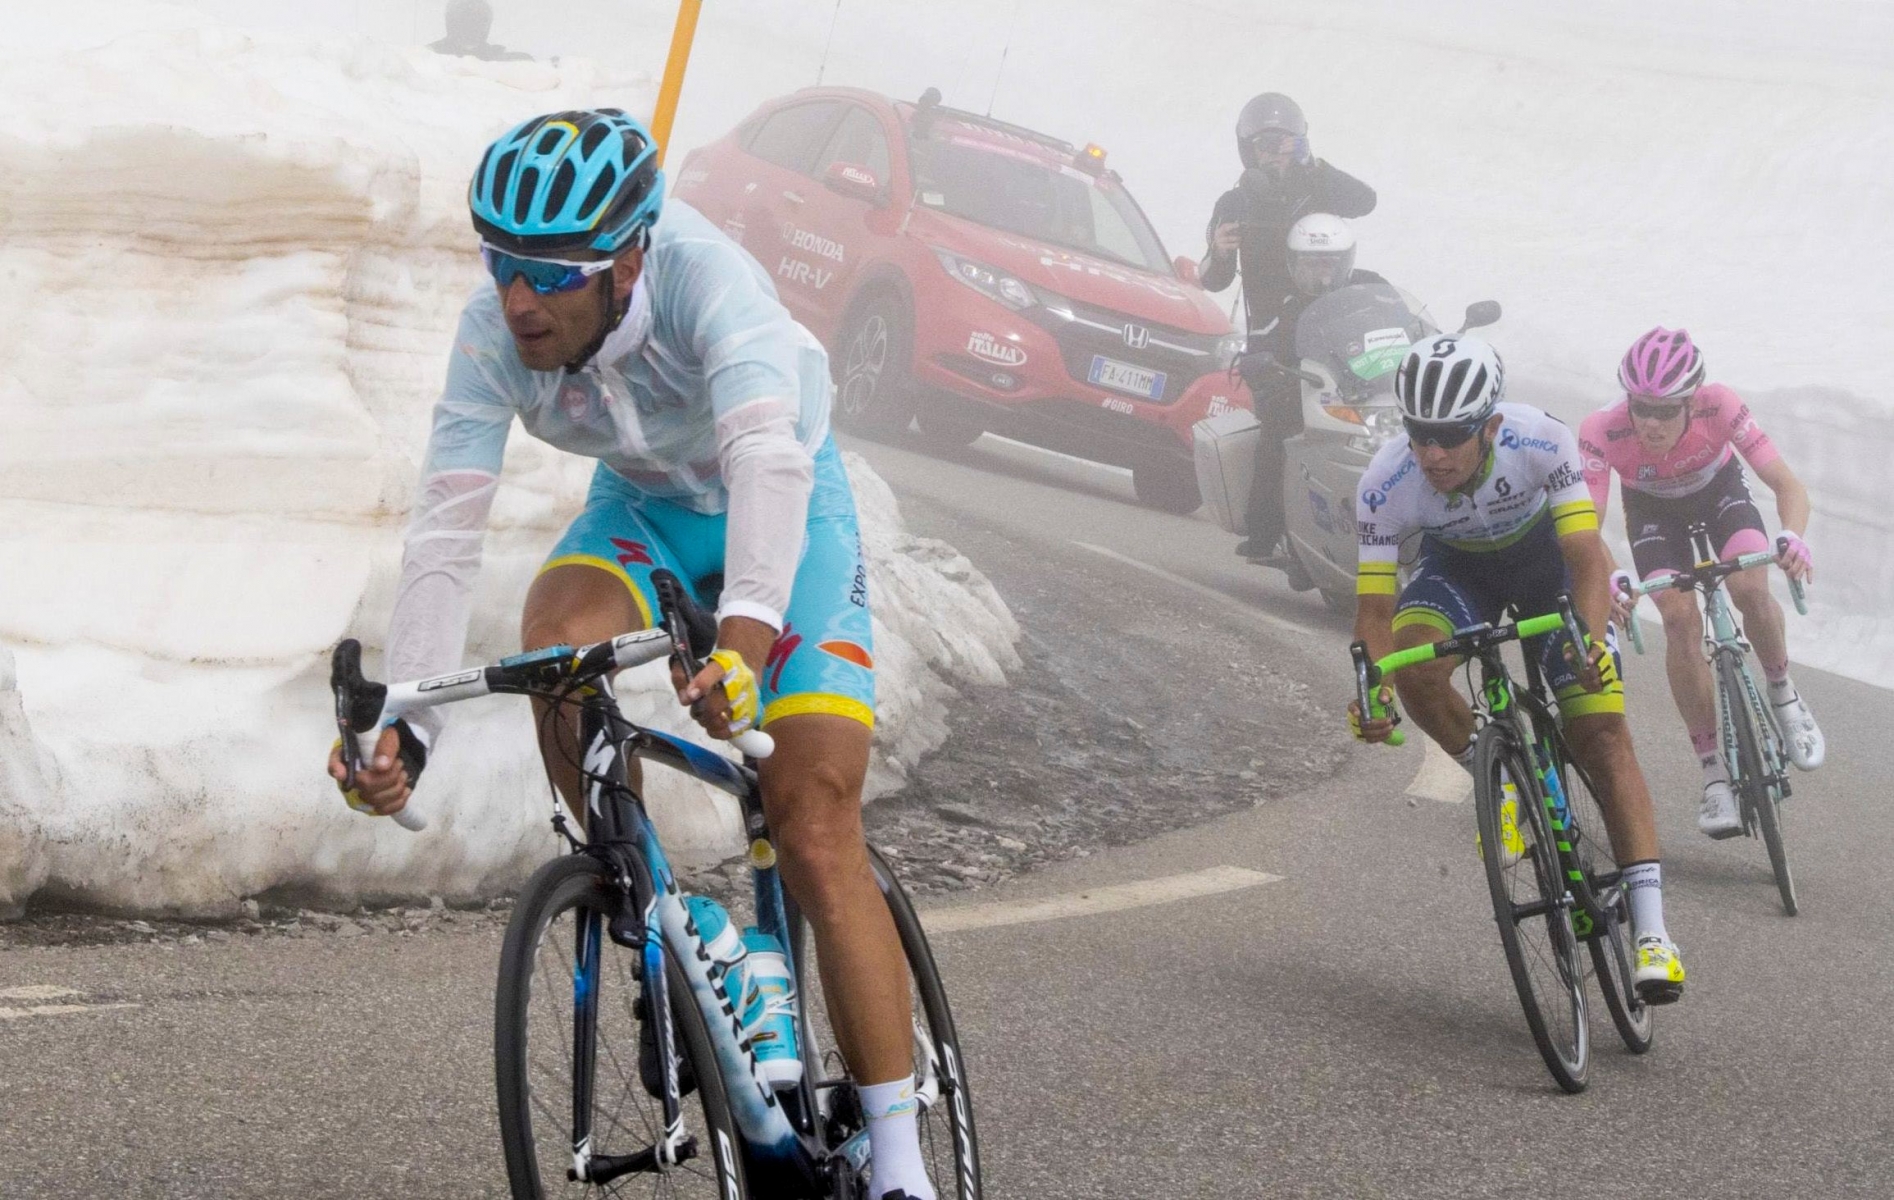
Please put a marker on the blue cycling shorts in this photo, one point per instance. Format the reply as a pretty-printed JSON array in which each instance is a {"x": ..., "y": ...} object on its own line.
[
  {"x": 1450, "y": 589},
  {"x": 823, "y": 661}
]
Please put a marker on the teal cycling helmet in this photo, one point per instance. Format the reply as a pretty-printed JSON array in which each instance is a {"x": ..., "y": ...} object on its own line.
[{"x": 565, "y": 181}]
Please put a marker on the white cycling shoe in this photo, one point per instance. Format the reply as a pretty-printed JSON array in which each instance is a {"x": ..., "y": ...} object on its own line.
[
  {"x": 1718, "y": 815},
  {"x": 1807, "y": 747}
]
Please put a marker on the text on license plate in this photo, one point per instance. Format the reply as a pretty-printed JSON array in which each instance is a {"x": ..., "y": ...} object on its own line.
[{"x": 1123, "y": 377}]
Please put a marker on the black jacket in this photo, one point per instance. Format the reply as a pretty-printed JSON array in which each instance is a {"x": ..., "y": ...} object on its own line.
[{"x": 1267, "y": 207}]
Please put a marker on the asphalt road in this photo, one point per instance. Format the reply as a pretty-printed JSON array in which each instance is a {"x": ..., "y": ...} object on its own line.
[{"x": 1340, "y": 1023}]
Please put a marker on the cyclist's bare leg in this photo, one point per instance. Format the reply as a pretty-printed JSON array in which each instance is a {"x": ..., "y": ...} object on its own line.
[
  {"x": 1762, "y": 616},
  {"x": 1427, "y": 692},
  {"x": 1602, "y": 744},
  {"x": 1690, "y": 684},
  {"x": 812, "y": 792},
  {"x": 574, "y": 605}
]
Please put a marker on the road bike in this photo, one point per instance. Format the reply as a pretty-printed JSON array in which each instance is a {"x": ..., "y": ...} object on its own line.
[
  {"x": 1754, "y": 751},
  {"x": 1554, "y": 881},
  {"x": 609, "y": 1008}
]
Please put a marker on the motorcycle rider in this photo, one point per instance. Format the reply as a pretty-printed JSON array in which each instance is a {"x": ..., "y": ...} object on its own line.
[
  {"x": 1320, "y": 257},
  {"x": 1248, "y": 234}
]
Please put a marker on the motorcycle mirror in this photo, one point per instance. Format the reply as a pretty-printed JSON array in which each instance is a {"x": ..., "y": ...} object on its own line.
[{"x": 1480, "y": 313}]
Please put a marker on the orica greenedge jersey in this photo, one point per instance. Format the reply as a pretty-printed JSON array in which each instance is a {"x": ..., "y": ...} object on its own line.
[
  {"x": 1533, "y": 473},
  {"x": 707, "y": 394}
]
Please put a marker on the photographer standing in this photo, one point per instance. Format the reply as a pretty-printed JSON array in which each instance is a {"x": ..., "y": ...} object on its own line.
[{"x": 1249, "y": 233}]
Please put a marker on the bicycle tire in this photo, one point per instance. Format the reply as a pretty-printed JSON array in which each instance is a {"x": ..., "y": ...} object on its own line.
[
  {"x": 1558, "y": 1021},
  {"x": 958, "y": 1159},
  {"x": 1755, "y": 773},
  {"x": 576, "y": 885}
]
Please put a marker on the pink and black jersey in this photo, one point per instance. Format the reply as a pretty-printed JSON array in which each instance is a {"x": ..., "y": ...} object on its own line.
[{"x": 1720, "y": 425}]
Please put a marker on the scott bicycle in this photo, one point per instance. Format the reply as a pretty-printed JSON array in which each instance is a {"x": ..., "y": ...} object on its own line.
[
  {"x": 1554, "y": 882},
  {"x": 1750, "y": 740},
  {"x": 609, "y": 1008}
]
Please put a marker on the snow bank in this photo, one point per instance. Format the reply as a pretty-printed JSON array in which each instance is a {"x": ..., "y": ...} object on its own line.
[{"x": 234, "y": 265}]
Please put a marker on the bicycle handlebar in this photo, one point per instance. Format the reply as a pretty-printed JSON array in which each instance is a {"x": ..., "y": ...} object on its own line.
[
  {"x": 1469, "y": 641},
  {"x": 1707, "y": 574},
  {"x": 363, "y": 708}
]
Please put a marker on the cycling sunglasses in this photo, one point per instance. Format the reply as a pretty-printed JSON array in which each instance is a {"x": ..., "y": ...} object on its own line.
[
  {"x": 1446, "y": 437},
  {"x": 1655, "y": 412},
  {"x": 547, "y": 276}
]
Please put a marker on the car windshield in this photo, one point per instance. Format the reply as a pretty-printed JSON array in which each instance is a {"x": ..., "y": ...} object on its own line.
[{"x": 1029, "y": 196}]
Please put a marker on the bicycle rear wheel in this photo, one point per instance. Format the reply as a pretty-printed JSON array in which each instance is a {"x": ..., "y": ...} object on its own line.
[
  {"x": 1756, "y": 785},
  {"x": 1532, "y": 911},
  {"x": 949, "y": 1143},
  {"x": 556, "y": 962},
  {"x": 1609, "y": 938}
]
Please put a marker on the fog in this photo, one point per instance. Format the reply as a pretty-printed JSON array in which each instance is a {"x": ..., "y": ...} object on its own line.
[{"x": 270, "y": 251}]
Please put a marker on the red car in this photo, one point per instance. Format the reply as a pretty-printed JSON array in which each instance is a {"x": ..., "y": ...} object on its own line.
[{"x": 972, "y": 275}]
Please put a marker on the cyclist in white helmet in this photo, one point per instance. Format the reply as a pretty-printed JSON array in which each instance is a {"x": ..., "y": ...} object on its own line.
[{"x": 1495, "y": 495}]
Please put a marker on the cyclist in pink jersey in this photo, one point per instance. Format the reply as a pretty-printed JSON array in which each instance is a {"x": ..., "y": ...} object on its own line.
[{"x": 1674, "y": 442}]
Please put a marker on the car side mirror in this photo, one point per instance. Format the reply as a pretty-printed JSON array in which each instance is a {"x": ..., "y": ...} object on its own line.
[
  {"x": 1186, "y": 269},
  {"x": 1483, "y": 312},
  {"x": 854, "y": 181}
]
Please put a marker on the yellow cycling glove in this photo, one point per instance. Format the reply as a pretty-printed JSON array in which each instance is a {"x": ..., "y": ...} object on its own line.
[{"x": 739, "y": 688}]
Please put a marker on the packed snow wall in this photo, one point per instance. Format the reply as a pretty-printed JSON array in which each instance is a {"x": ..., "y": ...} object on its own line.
[{"x": 234, "y": 263}]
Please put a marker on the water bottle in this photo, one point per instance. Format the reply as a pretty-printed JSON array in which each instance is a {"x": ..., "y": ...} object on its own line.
[
  {"x": 727, "y": 953},
  {"x": 1561, "y": 811},
  {"x": 773, "y": 1033}
]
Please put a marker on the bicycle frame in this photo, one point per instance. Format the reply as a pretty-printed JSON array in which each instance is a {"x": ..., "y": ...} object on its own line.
[
  {"x": 782, "y": 1147},
  {"x": 1723, "y": 639},
  {"x": 780, "y": 1130}
]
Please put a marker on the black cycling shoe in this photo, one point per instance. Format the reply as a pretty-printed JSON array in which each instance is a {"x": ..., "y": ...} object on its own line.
[{"x": 648, "y": 1071}]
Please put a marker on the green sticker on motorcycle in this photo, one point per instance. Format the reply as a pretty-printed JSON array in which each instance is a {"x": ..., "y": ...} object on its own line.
[{"x": 1373, "y": 364}]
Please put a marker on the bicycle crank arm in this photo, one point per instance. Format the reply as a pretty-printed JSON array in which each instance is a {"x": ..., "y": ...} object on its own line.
[{"x": 603, "y": 1168}]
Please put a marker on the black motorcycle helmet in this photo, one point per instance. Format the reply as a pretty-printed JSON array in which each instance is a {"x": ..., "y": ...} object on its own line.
[{"x": 1267, "y": 113}]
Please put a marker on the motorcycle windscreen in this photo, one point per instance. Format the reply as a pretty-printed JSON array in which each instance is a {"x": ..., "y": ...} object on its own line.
[{"x": 1359, "y": 333}]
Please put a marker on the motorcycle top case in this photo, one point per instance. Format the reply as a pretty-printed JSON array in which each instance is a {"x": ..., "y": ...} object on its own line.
[{"x": 1224, "y": 449}]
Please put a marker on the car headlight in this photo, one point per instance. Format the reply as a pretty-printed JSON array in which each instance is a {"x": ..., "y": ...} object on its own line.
[
  {"x": 1382, "y": 424},
  {"x": 988, "y": 281},
  {"x": 1228, "y": 348}
]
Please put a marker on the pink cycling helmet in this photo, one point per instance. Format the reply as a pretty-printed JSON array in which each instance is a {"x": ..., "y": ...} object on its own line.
[{"x": 1664, "y": 363}]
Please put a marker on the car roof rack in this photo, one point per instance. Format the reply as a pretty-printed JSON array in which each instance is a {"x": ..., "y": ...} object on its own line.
[{"x": 930, "y": 107}]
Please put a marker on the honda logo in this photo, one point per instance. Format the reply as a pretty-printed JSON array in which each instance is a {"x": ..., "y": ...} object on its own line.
[{"x": 1137, "y": 337}]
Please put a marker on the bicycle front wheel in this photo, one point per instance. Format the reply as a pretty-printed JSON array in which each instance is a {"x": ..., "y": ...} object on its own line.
[
  {"x": 950, "y": 1146},
  {"x": 567, "y": 1010},
  {"x": 1531, "y": 907},
  {"x": 1756, "y": 784}
]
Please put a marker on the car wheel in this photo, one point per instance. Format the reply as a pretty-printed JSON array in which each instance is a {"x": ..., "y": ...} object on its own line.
[
  {"x": 948, "y": 423},
  {"x": 874, "y": 393},
  {"x": 1169, "y": 486}
]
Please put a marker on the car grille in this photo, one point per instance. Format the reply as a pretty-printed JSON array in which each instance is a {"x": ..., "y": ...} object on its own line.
[{"x": 1084, "y": 331}]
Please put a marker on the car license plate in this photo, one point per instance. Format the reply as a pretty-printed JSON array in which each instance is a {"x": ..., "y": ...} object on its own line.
[{"x": 1123, "y": 377}]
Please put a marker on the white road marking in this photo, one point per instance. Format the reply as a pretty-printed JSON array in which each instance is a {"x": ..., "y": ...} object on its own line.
[
  {"x": 1201, "y": 589},
  {"x": 56, "y": 1010},
  {"x": 1115, "y": 898},
  {"x": 47, "y": 991},
  {"x": 1440, "y": 777},
  {"x": 38, "y": 991}
]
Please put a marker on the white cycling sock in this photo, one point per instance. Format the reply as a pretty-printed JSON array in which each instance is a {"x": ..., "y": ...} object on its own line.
[
  {"x": 1713, "y": 769},
  {"x": 894, "y": 1140},
  {"x": 1465, "y": 758},
  {"x": 1782, "y": 691},
  {"x": 1645, "y": 881}
]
